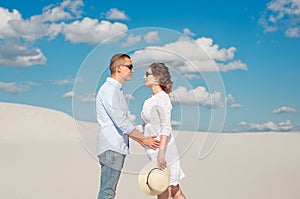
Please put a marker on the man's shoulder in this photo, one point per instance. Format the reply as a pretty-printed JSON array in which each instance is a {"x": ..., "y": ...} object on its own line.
[
  {"x": 106, "y": 88},
  {"x": 106, "y": 85}
]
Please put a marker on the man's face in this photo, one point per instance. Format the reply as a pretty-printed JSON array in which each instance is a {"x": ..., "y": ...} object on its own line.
[{"x": 126, "y": 69}]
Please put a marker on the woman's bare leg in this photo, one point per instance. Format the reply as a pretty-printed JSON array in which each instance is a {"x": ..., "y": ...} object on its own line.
[
  {"x": 166, "y": 194},
  {"x": 177, "y": 193}
]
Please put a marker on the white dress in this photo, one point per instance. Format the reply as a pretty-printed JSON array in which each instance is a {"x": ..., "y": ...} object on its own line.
[{"x": 156, "y": 115}]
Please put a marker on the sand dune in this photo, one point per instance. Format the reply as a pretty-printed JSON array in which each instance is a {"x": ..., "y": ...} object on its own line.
[{"x": 45, "y": 154}]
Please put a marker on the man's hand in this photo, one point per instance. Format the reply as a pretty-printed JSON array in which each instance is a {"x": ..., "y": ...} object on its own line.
[{"x": 151, "y": 141}]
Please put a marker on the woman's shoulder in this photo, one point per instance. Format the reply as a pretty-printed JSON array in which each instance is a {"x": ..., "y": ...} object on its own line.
[
  {"x": 161, "y": 95},
  {"x": 162, "y": 98}
]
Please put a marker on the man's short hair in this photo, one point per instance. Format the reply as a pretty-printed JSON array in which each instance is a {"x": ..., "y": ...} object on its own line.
[{"x": 115, "y": 60}]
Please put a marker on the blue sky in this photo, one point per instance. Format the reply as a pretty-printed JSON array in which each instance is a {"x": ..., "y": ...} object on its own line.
[{"x": 54, "y": 51}]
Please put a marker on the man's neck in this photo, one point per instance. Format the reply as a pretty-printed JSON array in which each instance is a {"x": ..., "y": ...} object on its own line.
[{"x": 117, "y": 78}]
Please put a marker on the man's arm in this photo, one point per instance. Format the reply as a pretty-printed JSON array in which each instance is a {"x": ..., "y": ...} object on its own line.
[{"x": 148, "y": 141}]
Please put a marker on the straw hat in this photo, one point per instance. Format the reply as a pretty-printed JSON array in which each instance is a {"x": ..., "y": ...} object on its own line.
[{"x": 152, "y": 180}]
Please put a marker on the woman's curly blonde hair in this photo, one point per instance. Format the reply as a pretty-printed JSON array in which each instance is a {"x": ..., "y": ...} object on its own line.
[{"x": 161, "y": 71}]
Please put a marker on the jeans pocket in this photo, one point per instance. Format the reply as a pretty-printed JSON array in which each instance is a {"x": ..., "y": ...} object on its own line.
[
  {"x": 107, "y": 158},
  {"x": 112, "y": 159}
]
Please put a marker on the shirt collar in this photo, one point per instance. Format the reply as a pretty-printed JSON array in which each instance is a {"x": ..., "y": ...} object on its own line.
[{"x": 114, "y": 82}]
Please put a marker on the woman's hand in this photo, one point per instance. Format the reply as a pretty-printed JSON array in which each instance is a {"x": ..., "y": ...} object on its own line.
[{"x": 161, "y": 160}]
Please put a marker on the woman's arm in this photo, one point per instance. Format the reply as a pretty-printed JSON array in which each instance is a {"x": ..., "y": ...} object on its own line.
[
  {"x": 161, "y": 160},
  {"x": 164, "y": 107}
]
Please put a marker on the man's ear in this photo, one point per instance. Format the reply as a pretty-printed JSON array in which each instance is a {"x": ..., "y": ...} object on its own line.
[{"x": 118, "y": 68}]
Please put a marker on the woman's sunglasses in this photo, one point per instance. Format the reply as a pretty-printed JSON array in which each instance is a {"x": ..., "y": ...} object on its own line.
[{"x": 147, "y": 74}]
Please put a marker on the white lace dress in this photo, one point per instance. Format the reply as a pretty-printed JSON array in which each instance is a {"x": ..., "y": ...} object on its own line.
[{"x": 156, "y": 115}]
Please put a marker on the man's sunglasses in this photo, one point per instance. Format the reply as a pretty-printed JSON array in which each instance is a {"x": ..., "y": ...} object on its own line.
[{"x": 129, "y": 66}]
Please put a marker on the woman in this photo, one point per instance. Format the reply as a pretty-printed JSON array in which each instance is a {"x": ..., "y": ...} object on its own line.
[{"x": 156, "y": 115}]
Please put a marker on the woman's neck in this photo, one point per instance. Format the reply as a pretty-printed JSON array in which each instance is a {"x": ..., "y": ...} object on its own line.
[{"x": 156, "y": 89}]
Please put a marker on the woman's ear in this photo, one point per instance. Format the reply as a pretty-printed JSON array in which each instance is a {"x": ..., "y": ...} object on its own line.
[{"x": 156, "y": 79}]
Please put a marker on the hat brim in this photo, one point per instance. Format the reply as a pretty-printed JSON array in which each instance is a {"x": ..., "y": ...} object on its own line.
[{"x": 159, "y": 179}]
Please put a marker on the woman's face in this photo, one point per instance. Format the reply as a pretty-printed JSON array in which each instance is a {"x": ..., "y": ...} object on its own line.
[{"x": 150, "y": 80}]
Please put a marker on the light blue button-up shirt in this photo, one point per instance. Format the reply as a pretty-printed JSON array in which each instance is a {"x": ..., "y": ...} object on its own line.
[{"x": 112, "y": 117}]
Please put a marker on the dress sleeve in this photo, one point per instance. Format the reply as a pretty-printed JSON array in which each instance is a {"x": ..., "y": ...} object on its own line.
[
  {"x": 164, "y": 108},
  {"x": 140, "y": 127}
]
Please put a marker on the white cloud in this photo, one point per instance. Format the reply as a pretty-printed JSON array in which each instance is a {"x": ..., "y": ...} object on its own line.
[
  {"x": 271, "y": 126},
  {"x": 192, "y": 76},
  {"x": 285, "y": 126},
  {"x": 293, "y": 32},
  {"x": 131, "y": 117},
  {"x": 13, "y": 53},
  {"x": 68, "y": 9},
  {"x": 88, "y": 98},
  {"x": 236, "y": 106},
  {"x": 116, "y": 14},
  {"x": 75, "y": 7},
  {"x": 229, "y": 98},
  {"x": 284, "y": 109},
  {"x": 31, "y": 30},
  {"x": 175, "y": 123},
  {"x": 55, "y": 20},
  {"x": 243, "y": 123},
  {"x": 214, "y": 51},
  {"x": 52, "y": 14},
  {"x": 282, "y": 15},
  {"x": 64, "y": 18},
  {"x": 188, "y": 32},
  {"x": 13, "y": 87},
  {"x": 151, "y": 37},
  {"x": 190, "y": 56},
  {"x": 91, "y": 30},
  {"x": 63, "y": 82},
  {"x": 47, "y": 24},
  {"x": 67, "y": 81},
  {"x": 234, "y": 65},
  {"x": 5, "y": 18},
  {"x": 129, "y": 97},
  {"x": 68, "y": 94},
  {"x": 131, "y": 40},
  {"x": 198, "y": 96}
]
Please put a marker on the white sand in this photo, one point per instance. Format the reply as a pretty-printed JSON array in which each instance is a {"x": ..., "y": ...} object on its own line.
[{"x": 42, "y": 157}]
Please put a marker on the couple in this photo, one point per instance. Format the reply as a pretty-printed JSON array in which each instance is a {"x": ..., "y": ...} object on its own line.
[{"x": 116, "y": 128}]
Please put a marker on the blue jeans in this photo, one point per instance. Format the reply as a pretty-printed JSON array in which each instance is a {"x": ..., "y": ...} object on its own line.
[{"x": 111, "y": 166}]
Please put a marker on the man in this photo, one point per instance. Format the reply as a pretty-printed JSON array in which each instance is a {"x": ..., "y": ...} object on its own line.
[{"x": 115, "y": 127}]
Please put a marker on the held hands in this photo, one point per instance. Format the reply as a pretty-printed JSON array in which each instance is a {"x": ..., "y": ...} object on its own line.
[{"x": 151, "y": 141}]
